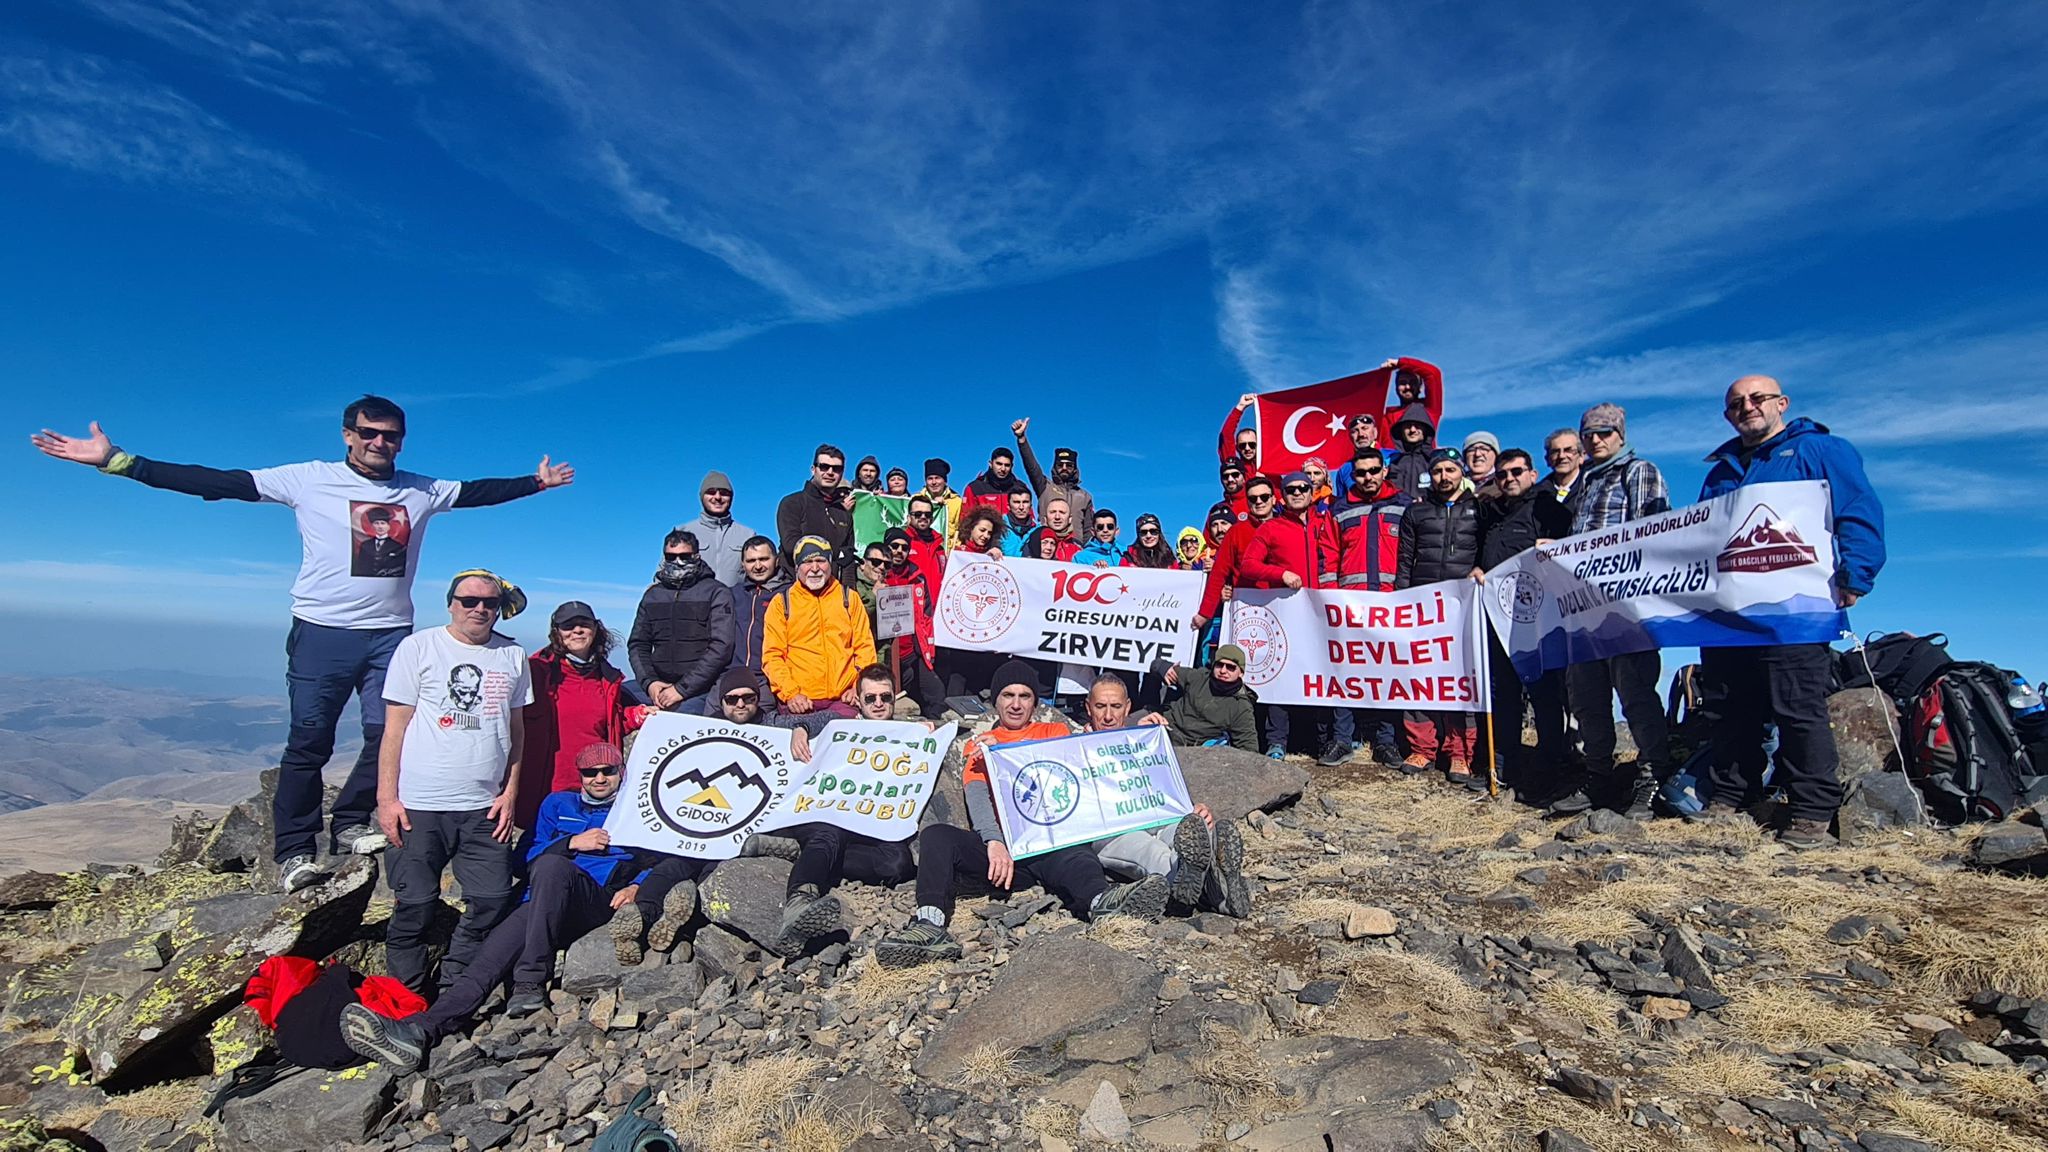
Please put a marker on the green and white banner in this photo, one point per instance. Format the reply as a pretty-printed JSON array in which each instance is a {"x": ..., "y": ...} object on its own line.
[
  {"x": 874, "y": 514},
  {"x": 1054, "y": 794},
  {"x": 872, "y": 777}
]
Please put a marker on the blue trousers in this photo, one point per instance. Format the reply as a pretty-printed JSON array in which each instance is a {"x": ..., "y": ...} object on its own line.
[{"x": 323, "y": 668}]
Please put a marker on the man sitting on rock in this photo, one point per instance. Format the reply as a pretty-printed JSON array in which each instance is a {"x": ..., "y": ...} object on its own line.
[
  {"x": 823, "y": 854},
  {"x": 1214, "y": 705},
  {"x": 1201, "y": 861},
  {"x": 576, "y": 882},
  {"x": 947, "y": 853}
]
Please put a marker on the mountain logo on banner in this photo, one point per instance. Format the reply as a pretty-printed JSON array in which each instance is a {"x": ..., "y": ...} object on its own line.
[
  {"x": 1520, "y": 595},
  {"x": 1766, "y": 543},
  {"x": 981, "y": 602},
  {"x": 1255, "y": 629},
  {"x": 1045, "y": 792},
  {"x": 711, "y": 786}
]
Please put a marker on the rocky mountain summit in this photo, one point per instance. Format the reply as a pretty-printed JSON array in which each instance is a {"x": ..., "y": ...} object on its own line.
[{"x": 1424, "y": 969}]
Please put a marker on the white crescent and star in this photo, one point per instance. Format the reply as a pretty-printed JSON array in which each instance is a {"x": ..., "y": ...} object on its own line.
[{"x": 1293, "y": 444}]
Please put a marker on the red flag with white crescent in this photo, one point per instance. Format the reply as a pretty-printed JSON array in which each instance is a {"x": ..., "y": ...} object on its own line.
[{"x": 1316, "y": 420}]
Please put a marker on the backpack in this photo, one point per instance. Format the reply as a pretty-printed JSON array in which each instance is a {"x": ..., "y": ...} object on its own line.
[
  {"x": 632, "y": 1132},
  {"x": 1899, "y": 664},
  {"x": 1964, "y": 750}
]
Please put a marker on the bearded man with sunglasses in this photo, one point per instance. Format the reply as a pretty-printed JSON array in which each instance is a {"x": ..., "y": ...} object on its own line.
[
  {"x": 820, "y": 509},
  {"x": 351, "y": 605}
]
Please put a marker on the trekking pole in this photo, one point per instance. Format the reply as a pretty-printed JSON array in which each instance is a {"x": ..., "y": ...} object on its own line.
[{"x": 1492, "y": 760}]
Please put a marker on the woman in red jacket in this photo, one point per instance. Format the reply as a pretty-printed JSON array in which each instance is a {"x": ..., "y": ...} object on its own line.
[{"x": 577, "y": 701}]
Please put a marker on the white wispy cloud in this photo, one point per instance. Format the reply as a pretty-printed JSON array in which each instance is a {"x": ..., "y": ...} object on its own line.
[{"x": 90, "y": 114}]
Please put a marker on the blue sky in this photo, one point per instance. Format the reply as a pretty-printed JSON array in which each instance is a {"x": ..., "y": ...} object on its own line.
[{"x": 653, "y": 239}]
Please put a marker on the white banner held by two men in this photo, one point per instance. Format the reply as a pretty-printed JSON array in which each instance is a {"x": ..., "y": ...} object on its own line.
[
  {"x": 1097, "y": 617},
  {"x": 1054, "y": 794},
  {"x": 698, "y": 787},
  {"x": 1754, "y": 566},
  {"x": 872, "y": 777},
  {"x": 1421, "y": 649}
]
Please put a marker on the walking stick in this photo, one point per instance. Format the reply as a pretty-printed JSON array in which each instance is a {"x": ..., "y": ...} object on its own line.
[{"x": 1493, "y": 759}]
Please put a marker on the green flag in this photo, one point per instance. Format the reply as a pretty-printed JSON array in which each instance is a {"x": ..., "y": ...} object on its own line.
[{"x": 874, "y": 514}]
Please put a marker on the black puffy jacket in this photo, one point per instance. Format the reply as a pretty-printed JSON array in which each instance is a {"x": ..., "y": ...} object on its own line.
[
  {"x": 812, "y": 511},
  {"x": 683, "y": 633},
  {"x": 1509, "y": 524},
  {"x": 1438, "y": 541}
]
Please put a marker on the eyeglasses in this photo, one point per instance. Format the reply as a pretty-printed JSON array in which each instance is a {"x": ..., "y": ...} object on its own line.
[
  {"x": 877, "y": 697},
  {"x": 738, "y": 698},
  {"x": 917, "y": 515},
  {"x": 490, "y": 602},
  {"x": 834, "y": 469},
  {"x": 1372, "y": 471},
  {"x": 388, "y": 435},
  {"x": 1297, "y": 489},
  {"x": 725, "y": 492},
  {"x": 599, "y": 770},
  {"x": 1256, "y": 498},
  {"x": 1554, "y": 453},
  {"x": 1756, "y": 401},
  {"x": 1512, "y": 472}
]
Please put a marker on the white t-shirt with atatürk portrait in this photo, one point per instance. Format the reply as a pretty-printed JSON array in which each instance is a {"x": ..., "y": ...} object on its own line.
[{"x": 460, "y": 736}]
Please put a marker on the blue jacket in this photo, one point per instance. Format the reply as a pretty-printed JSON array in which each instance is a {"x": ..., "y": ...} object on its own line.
[
  {"x": 1805, "y": 451},
  {"x": 1093, "y": 550},
  {"x": 564, "y": 814}
]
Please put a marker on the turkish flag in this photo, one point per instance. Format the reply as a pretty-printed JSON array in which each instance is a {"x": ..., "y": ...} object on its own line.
[{"x": 1316, "y": 420}]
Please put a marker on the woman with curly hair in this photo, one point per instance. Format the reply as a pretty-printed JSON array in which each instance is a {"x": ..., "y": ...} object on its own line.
[
  {"x": 981, "y": 530},
  {"x": 578, "y": 700}
]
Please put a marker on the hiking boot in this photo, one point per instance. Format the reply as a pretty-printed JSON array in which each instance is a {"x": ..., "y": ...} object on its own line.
[
  {"x": 1461, "y": 772},
  {"x": 676, "y": 909},
  {"x": 779, "y": 847},
  {"x": 526, "y": 999},
  {"x": 1570, "y": 804},
  {"x": 1334, "y": 753},
  {"x": 1228, "y": 866},
  {"x": 918, "y": 942},
  {"x": 805, "y": 914},
  {"x": 299, "y": 872},
  {"x": 1716, "y": 812},
  {"x": 359, "y": 840},
  {"x": 1192, "y": 853},
  {"x": 628, "y": 928},
  {"x": 1276, "y": 752},
  {"x": 1416, "y": 764},
  {"x": 397, "y": 1044},
  {"x": 1144, "y": 899},
  {"x": 1642, "y": 796},
  {"x": 1801, "y": 835},
  {"x": 1386, "y": 754}
]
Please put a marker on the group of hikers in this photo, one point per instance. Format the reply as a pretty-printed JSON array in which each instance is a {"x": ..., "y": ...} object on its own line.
[{"x": 503, "y": 765}]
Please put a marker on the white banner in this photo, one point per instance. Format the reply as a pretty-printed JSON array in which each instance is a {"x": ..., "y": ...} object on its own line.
[
  {"x": 1420, "y": 649},
  {"x": 895, "y": 611},
  {"x": 867, "y": 776},
  {"x": 698, "y": 787},
  {"x": 1054, "y": 794},
  {"x": 1755, "y": 566},
  {"x": 1096, "y": 617}
]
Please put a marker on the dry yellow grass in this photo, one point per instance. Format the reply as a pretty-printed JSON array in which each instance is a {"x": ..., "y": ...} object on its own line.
[
  {"x": 1313, "y": 908},
  {"x": 1953, "y": 1130},
  {"x": 1596, "y": 1009},
  {"x": 751, "y": 1103},
  {"x": 1786, "y": 1017},
  {"x": 1428, "y": 983},
  {"x": 1961, "y": 962},
  {"x": 1418, "y": 807},
  {"x": 1741, "y": 834},
  {"x": 1611, "y": 912},
  {"x": 874, "y": 986},
  {"x": 1720, "y": 1073},
  {"x": 990, "y": 1068},
  {"x": 1123, "y": 933},
  {"x": 173, "y": 1101},
  {"x": 1051, "y": 1119},
  {"x": 1232, "y": 1069},
  {"x": 1998, "y": 1089}
]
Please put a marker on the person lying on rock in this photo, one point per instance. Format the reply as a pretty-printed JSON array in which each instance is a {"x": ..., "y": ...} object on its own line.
[
  {"x": 1213, "y": 705},
  {"x": 823, "y": 854},
  {"x": 1201, "y": 861},
  {"x": 576, "y": 882},
  {"x": 946, "y": 853}
]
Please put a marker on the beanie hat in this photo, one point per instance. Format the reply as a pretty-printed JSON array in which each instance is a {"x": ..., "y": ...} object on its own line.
[
  {"x": 1012, "y": 673},
  {"x": 1443, "y": 454},
  {"x": 937, "y": 467},
  {"x": 738, "y": 680},
  {"x": 714, "y": 479},
  {"x": 892, "y": 473},
  {"x": 1220, "y": 511},
  {"x": 1486, "y": 438},
  {"x": 1605, "y": 416},
  {"x": 895, "y": 534},
  {"x": 602, "y": 752},
  {"x": 1230, "y": 652},
  {"x": 867, "y": 460},
  {"x": 811, "y": 546}
]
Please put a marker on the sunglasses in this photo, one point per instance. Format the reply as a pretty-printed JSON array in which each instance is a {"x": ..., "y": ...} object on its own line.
[
  {"x": 1225, "y": 664},
  {"x": 1372, "y": 471},
  {"x": 1297, "y": 489},
  {"x": 873, "y": 559},
  {"x": 1554, "y": 453},
  {"x": 388, "y": 435},
  {"x": 924, "y": 515},
  {"x": 725, "y": 492},
  {"x": 741, "y": 697},
  {"x": 490, "y": 602},
  {"x": 1603, "y": 433},
  {"x": 1756, "y": 401},
  {"x": 835, "y": 469},
  {"x": 1254, "y": 496},
  {"x": 580, "y": 624},
  {"x": 1148, "y": 531},
  {"x": 877, "y": 697},
  {"x": 1513, "y": 472},
  {"x": 599, "y": 770},
  {"x": 899, "y": 546}
]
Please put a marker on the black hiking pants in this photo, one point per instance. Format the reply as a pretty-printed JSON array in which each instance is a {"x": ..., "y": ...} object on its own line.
[
  {"x": 1786, "y": 684},
  {"x": 945, "y": 854}
]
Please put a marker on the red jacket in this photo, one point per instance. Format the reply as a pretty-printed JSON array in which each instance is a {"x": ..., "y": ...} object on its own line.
[
  {"x": 572, "y": 708},
  {"x": 1369, "y": 539},
  {"x": 1223, "y": 568},
  {"x": 1432, "y": 396},
  {"x": 923, "y": 599},
  {"x": 1301, "y": 543},
  {"x": 929, "y": 554}
]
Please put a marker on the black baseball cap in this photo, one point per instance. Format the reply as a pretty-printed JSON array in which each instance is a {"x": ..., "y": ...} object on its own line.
[{"x": 570, "y": 611}]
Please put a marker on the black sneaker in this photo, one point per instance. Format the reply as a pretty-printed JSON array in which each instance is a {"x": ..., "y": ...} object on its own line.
[
  {"x": 1192, "y": 853},
  {"x": 526, "y": 999},
  {"x": 918, "y": 942},
  {"x": 779, "y": 847},
  {"x": 1642, "y": 795},
  {"x": 398, "y": 1044},
  {"x": 1570, "y": 804},
  {"x": 629, "y": 930},
  {"x": 676, "y": 909},
  {"x": 1229, "y": 869},
  {"x": 1386, "y": 754},
  {"x": 805, "y": 914},
  {"x": 1334, "y": 753},
  {"x": 1144, "y": 899}
]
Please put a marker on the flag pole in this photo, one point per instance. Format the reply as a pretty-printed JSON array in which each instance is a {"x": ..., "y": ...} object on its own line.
[{"x": 1482, "y": 660}]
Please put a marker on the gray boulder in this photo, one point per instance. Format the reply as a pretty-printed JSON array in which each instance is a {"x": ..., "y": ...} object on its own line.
[
  {"x": 745, "y": 896},
  {"x": 313, "y": 1108},
  {"x": 1235, "y": 783},
  {"x": 1053, "y": 988}
]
